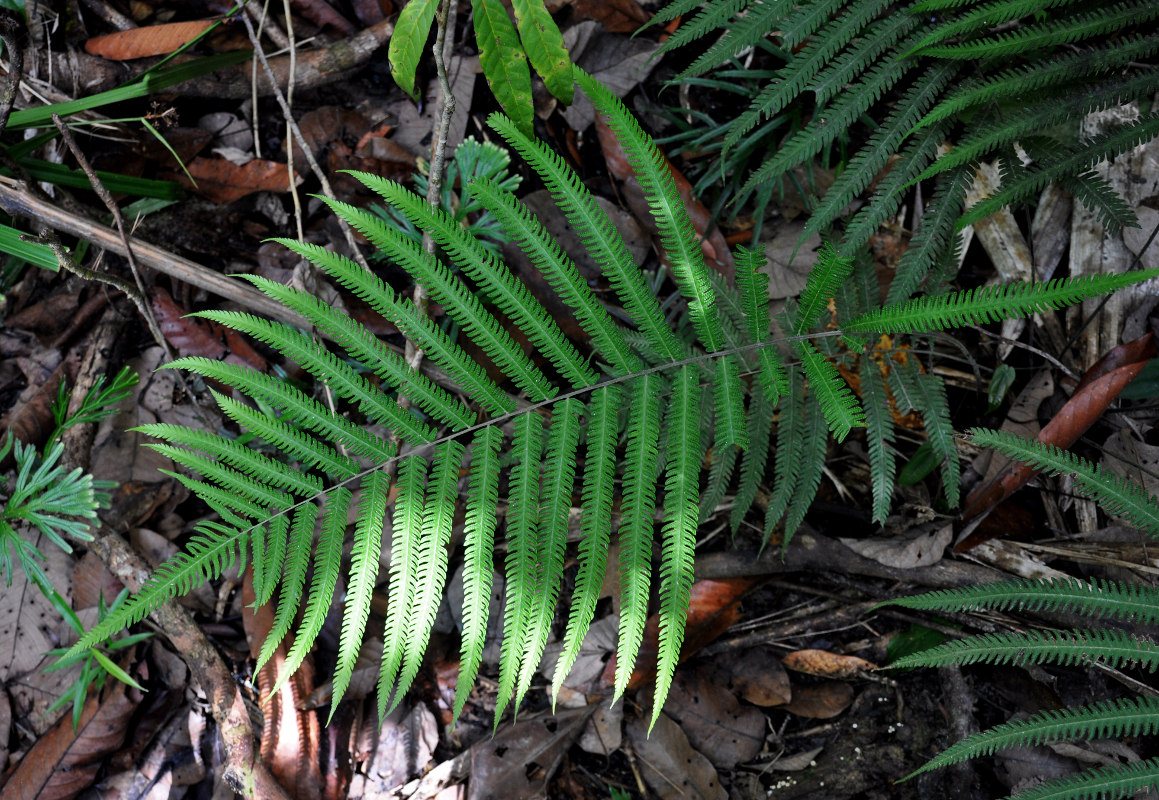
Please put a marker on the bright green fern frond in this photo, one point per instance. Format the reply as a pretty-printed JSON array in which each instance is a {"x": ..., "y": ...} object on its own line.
[
  {"x": 827, "y": 274},
  {"x": 599, "y": 479},
  {"x": 1048, "y": 34},
  {"x": 641, "y": 467},
  {"x": 478, "y": 547},
  {"x": 754, "y": 297},
  {"x": 561, "y": 273},
  {"x": 722, "y": 464},
  {"x": 363, "y": 575},
  {"x": 1105, "y": 783},
  {"x": 1099, "y": 599},
  {"x": 879, "y": 437},
  {"x": 220, "y": 499},
  {"x": 1107, "y": 646},
  {"x": 681, "y": 514},
  {"x": 989, "y": 304},
  {"x": 269, "y": 564},
  {"x": 327, "y": 565},
  {"x": 523, "y": 523},
  {"x": 297, "y": 562},
  {"x": 1109, "y": 720},
  {"x": 554, "y": 511},
  {"x": 299, "y": 408},
  {"x": 460, "y": 302},
  {"x": 369, "y": 350},
  {"x": 431, "y": 558},
  {"x": 237, "y": 482},
  {"x": 676, "y": 232},
  {"x": 814, "y": 448},
  {"x": 752, "y": 468},
  {"x": 1116, "y": 495},
  {"x": 406, "y": 533},
  {"x": 503, "y": 289},
  {"x": 250, "y": 462},
  {"x": 599, "y": 237},
  {"x": 787, "y": 463},
  {"x": 213, "y": 550},
  {"x": 837, "y": 402}
]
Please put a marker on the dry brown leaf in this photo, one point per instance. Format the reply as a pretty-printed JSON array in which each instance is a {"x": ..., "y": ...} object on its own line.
[
  {"x": 821, "y": 700},
  {"x": 726, "y": 732},
  {"x": 919, "y": 547},
  {"x": 757, "y": 675},
  {"x": 518, "y": 761},
  {"x": 617, "y": 16},
  {"x": 63, "y": 763},
  {"x": 670, "y": 765},
  {"x": 826, "y": 664},
  {"x": 221, "y": 181},
  {"x": 155, "y": 40}
]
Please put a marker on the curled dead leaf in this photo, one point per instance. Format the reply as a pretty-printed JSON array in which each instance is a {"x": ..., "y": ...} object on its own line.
[{"x": 826, "y": 664}]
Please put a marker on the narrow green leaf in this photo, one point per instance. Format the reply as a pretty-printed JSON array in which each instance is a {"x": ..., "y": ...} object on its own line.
[{"x": 411, "y": 31}]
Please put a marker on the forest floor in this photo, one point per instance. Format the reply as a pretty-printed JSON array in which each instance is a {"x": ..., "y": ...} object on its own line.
[{"x": 778, "y": 695}]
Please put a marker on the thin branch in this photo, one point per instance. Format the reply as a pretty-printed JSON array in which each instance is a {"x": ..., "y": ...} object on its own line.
[{"x": 10, "y": 29}]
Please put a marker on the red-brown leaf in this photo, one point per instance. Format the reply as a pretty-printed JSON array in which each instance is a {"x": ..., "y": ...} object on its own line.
[
  {"x": 222, "y": 181},
  {"x": 155, "y": 40},
  {"x": 1099, "y": 386}
]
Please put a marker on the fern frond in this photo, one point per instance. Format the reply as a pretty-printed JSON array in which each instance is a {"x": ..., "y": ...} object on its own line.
[
  {"x": 1048, "y": 34},
  {"x": 599, "y": 477},
  {"x": 1098, "y": 599},
  {"x": 802, "y": 67},
  {"x": 813, "y": 452},
  {"x": 681, "y": 513},
  {"x": 1026, "y": 79},
  {"x": 721, "y": 467},
  {"x": 327, "y": 564},
  {"x": 1104, "y": 783},
  {"x": 676, "y": 232},
  {"x": 369, "y": 350},
  {"x": 787, "y": 462},
  {"x": 1103, "y": 147},
  {"x": 991, "y": 303},
  {"x": 827, "y": 274},
  {"x": 237, "y": 481},
  {"x": 1096, "y": 193},
  {"x": 868, "y": 162},
  {"x": 712, "y": 16},
  {"x": 363, "y": 574},
  {"x": 981, "y": 18},
  {"x": 831, "y": 121},
  {"x": 1106, "y": 646},
  {"x": 297, "y": 562},
  {"x": 221, "y": 499},
  {"x": 269, "y": 564},
  {"x": 250, "y": 462},
  {"x": 754, "y": 297},
  {"x": 406, "y": 533},
  {"x": 523, "y": 524},
  {"x": 752, "y": 467},
  {"x": 879, "y": 438},
  {"x": 431, "y": 558},
  {"x": 836, "y": 400},
  {"x": 462, "y": 304},
  {"x": 299, "y": 408},
  {"x": 1116, "y": 495},
  {"x": 597, "y": 234},
  {"x": 1110, "y": 720},
  {"x": 744, "y": 32},
  {"x": 728, "y": 396},
  {"x": 509, "y": 294},
  {"x": 562, "y": 275},
  {"x": 867, "y": 49},
  {"x": 637, "y": 508},
  {"x": 927, "y": 395},
  {"x": 213, "y": 550},
  {"x": 478, "y": 547},
  {"x": 806, "y": 19},
  {"x": 555, "y": 509}
]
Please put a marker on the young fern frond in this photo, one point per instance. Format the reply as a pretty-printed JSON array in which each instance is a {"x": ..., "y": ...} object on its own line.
[{"x": 1117, "y": 495}]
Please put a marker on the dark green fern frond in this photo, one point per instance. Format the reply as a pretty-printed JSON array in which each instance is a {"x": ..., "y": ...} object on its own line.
[
  {"x": 754, "y": 298},
  {"x": 981, "y": 18},
  {"x": 712, "y": 15},
  {"x": 1096, "y": 193},
  {"x": 836, "y": 400},
  {"x": 925, "y": 393},
  {"x": 814, "y": 448},
  {"x": 745, "y": 31},
  {"x": 827, "y": 274},
  {"x": 989, "y": 304},
  {"x": 879, "y": 437},
  {"x": 1116, "y": 495},
  {"x": 1099, "y": 599},
  {"x": 752, "y": 468},
  {"x": 787, "y": 463},
  {"x": 1110, "y": 720},
  {"x": 869, "y": 48},
  {"x": 1048, "y": 34},
  {"x": 1107, "y": 646},
  {"x": 1103, "y": 783}
]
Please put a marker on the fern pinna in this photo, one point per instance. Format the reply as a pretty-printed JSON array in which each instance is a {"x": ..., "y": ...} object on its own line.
[
  {"x": 1113, "y": 600},
  {"x": 639, "y": 413}
]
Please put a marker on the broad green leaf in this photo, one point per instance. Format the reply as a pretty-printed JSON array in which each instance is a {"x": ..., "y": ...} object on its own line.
[
  {"x": 544, "y": 45},
  {"x": 504, "y": 64},
  {"x": 406, "y": 43}
]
